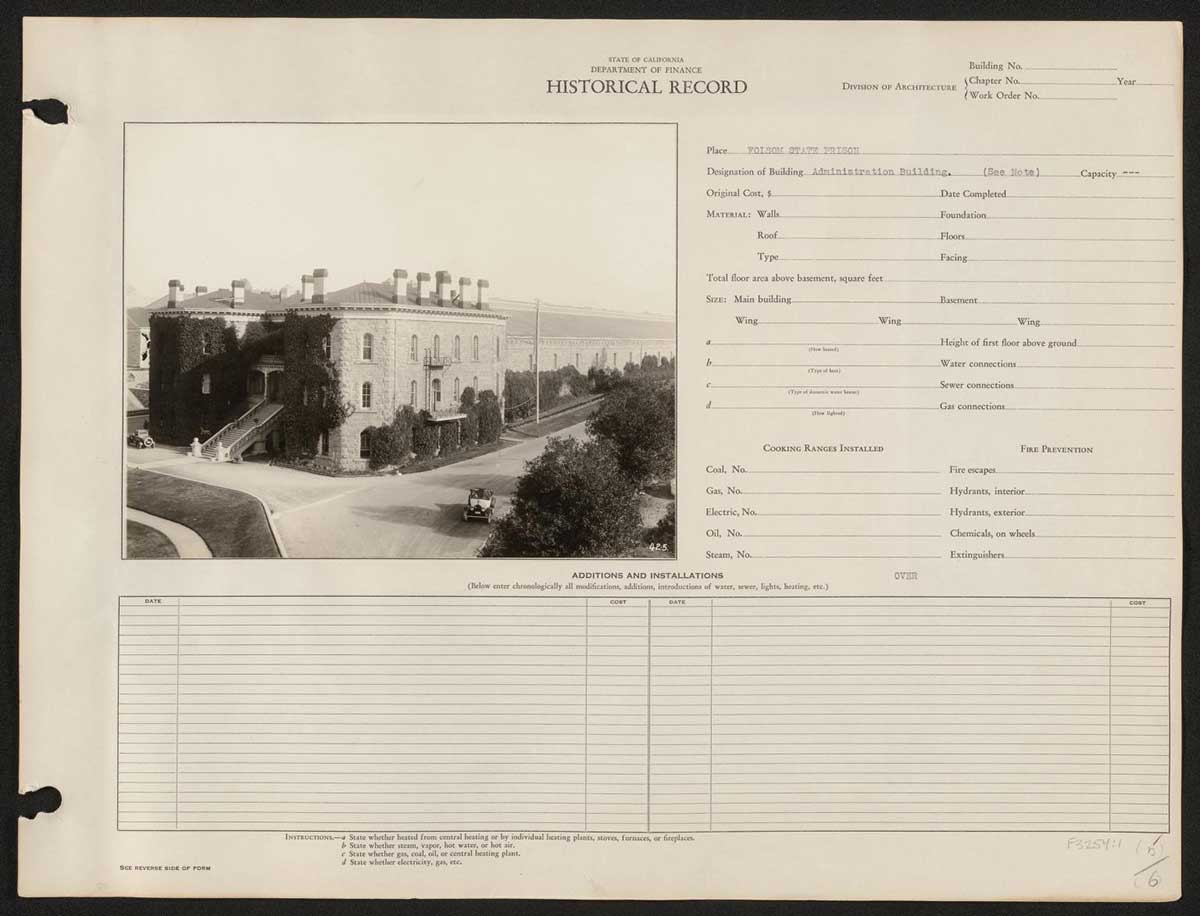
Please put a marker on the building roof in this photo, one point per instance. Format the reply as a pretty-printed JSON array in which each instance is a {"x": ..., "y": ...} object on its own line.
[
  {"x": 138, "y": 317},
  {"x": 582, "y": 323},
  {"x": 365, "y": 293},
  {"x": 222, "y": 300}
]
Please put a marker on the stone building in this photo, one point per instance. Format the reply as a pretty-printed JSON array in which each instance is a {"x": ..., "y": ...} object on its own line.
[
  {"x": 407, "y": 341},
  {"x": 583, "y": 338}
]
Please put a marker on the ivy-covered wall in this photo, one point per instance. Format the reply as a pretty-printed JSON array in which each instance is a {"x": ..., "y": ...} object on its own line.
[
  {"x": 186, "y": 348},
  {"x": 312, "y": 390}
]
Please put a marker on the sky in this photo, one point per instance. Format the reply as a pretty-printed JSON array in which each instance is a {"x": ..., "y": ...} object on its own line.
[{"x": 580, "y": 215}]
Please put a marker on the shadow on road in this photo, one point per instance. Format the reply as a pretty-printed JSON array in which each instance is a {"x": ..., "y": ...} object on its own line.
[
  {"x": 501, "y": 483},
  {"x": 445, "y": 519}
]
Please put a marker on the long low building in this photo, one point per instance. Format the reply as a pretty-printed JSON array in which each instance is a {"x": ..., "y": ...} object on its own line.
[{"x": 583, "y": 338}]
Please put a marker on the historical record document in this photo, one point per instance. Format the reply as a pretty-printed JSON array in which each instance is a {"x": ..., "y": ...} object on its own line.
[{"x": 602, "y": 459}]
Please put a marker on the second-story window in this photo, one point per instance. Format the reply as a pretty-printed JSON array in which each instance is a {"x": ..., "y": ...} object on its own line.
[
  {"x": 437, "y": 346},
  {"x": 326, "y": 347},
  {"x": 364, "y": 400},
  {"x": 207, "y": 344},
  {"x": 368, "y": 346},
  {"x": 413, "y": 345},
  {"x": 475, "y": 348},
  {"x": 457, "y": 348}
]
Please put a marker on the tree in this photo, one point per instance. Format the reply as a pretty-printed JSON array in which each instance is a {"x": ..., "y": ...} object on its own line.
[
  {"x": 639, "y": 420},
  {"x": 426, "y": 439},
  {"x": 663, "y": 531},
  {"x": 467, "y": 399},
  {"x": 451, "y": 437},
  {"x": 470, "y": 426},
  {"x": 490, "y": 422},
  {"x": 572, "y": 501}
]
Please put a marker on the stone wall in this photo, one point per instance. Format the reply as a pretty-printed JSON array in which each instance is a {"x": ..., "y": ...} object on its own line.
[{"x": 397, "y": 379}]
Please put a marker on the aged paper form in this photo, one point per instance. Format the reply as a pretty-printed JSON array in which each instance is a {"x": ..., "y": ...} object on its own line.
[{"x": 628, "y": 460}]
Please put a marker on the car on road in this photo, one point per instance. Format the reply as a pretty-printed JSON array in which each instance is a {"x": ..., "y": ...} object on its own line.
[
  {"x": 481, "y": 504},
  {"x": 140, "y": 439}
]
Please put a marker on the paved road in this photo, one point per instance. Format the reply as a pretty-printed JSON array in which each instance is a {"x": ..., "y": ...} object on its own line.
[{"x": 417, "y": 515}]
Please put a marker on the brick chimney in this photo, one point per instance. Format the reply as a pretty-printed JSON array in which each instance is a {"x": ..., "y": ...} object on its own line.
[
  {"x": 201, "y": 290},
  {"x": 174, "y": 293},
  {"x": 319, "y": 276},
  {"x": 399, "y": 285},
  {"x": 463, "y": 283},
  {"x": 481, "y": 295},
  {"x": 422, "y": 277},
  {"x": 239, "y": 291},
  {"x": 442, "y": 280},
  {"x": 306, "y": 288}
]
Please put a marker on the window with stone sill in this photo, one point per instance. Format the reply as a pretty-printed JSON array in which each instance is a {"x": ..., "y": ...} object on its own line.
[{"x": 368, "y": 346}]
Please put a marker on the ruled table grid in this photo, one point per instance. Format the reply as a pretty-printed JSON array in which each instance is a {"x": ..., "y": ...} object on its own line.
[{"x": 632, "y": 715}]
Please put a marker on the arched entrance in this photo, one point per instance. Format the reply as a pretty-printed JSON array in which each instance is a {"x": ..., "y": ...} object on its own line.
[{"x": 256, "y": 384}]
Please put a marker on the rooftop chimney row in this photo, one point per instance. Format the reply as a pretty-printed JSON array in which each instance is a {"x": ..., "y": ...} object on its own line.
[
  {"x": 174, "y": 293},
  {"x": 442, "y": 278},
  {"x": 319, "y": 276},
  {"x": 239, "y": 291}
]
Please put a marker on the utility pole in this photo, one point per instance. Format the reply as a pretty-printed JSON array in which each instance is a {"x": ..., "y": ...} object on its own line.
[{"x": 537, "y": 361}]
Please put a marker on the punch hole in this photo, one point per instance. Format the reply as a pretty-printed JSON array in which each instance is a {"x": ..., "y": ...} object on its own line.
[
  {"x": 45, "y": 800},
  {"x": 50, "y": 111}
]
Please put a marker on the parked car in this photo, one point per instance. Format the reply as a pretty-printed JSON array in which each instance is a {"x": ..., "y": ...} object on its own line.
[
  {"x": 481, "y": 503},
  {"x": 140, "y": 439}
]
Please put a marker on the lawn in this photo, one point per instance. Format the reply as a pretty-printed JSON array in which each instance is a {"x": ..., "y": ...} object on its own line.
[
  {"x": 233, "y": 524},
  {"x": 144, "y": 543}
]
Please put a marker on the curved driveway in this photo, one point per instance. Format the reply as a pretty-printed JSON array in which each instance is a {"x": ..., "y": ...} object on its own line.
[
  {"x": 415, "y": 515},
  {"x": 412, "y": 515}
]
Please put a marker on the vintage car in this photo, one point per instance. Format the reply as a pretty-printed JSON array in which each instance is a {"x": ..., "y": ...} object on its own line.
[
  {"x": 481, "y": 503},
  {"x": 140, "y": 439}
]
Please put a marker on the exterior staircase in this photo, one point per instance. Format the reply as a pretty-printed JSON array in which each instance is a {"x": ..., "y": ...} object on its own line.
[{"x": 236, "y": 437}]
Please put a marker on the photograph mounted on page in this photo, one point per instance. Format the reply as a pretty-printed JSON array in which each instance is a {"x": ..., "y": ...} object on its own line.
[{"x": 356, "y": 410}]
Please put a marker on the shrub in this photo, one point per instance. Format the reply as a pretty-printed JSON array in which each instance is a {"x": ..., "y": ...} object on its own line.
[
  {"x": 426, "y": 439},
  {"x": 451, "y": 437},
  {"x": 386, "y": 448},
  {"x": 490, "y": 422},
  {"x": 663, "y": 531},
  {"x": 467, "y": 400},
  {"x": 518, "y": 393},
  {"x": 572, "y": 501},
  {"x": 469, "y": 430},
  {"x": 639, "y": 420}
]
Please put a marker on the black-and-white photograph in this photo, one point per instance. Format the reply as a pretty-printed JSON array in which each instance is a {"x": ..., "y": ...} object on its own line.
[{"x": 400, "y": 340}]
